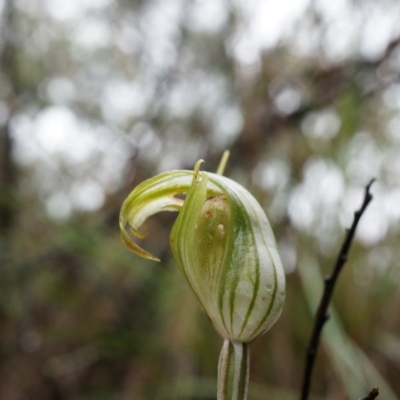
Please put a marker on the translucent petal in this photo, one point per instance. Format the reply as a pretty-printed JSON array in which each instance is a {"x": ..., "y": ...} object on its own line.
[{"x": 150, "y": 197}]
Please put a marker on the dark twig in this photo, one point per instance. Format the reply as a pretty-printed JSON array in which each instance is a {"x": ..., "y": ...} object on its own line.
[
  {"x": 330, "y": 281},
  {"x": 373, "y": 394}
]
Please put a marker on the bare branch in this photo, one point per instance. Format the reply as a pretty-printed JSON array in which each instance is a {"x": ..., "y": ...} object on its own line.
[
  {"x": 322, "y": 314},
  {"x": 373, "y": 394}
]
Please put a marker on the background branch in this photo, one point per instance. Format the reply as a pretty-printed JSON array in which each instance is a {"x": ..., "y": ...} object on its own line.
[
  {"x": 322, "y": 314},
  {"x": 373, "y": 394}
]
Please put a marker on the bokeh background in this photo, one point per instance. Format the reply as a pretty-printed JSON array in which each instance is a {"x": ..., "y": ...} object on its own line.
[{"x": 98, "y": 95}]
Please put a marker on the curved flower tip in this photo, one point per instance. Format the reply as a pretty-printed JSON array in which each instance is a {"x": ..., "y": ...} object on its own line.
[
  {"x": 150, "y": 197},
  {"x": 128, "y": 242}
]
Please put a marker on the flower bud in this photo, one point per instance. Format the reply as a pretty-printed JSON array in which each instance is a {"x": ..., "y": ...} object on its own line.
[{"x": 223, "y": 244}]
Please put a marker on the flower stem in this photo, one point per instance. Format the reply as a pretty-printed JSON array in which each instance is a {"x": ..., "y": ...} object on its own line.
[{"x": 233, "y": 371}]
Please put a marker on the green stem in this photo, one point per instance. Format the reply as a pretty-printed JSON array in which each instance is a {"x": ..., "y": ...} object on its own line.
[{"x": 233, "y": 371}]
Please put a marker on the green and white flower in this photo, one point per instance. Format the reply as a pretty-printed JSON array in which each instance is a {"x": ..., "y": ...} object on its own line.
[{"x": 224, "y": 246}]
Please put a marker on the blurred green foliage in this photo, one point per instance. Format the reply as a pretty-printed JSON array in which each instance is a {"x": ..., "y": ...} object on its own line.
[{"x": 143, "y": 87}]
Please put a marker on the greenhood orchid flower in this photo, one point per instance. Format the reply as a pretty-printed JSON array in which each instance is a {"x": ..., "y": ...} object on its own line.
[{"x": 224, "y": 246}]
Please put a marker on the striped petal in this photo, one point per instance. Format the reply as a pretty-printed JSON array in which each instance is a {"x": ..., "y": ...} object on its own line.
[{"x": 225, "y": 247}]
